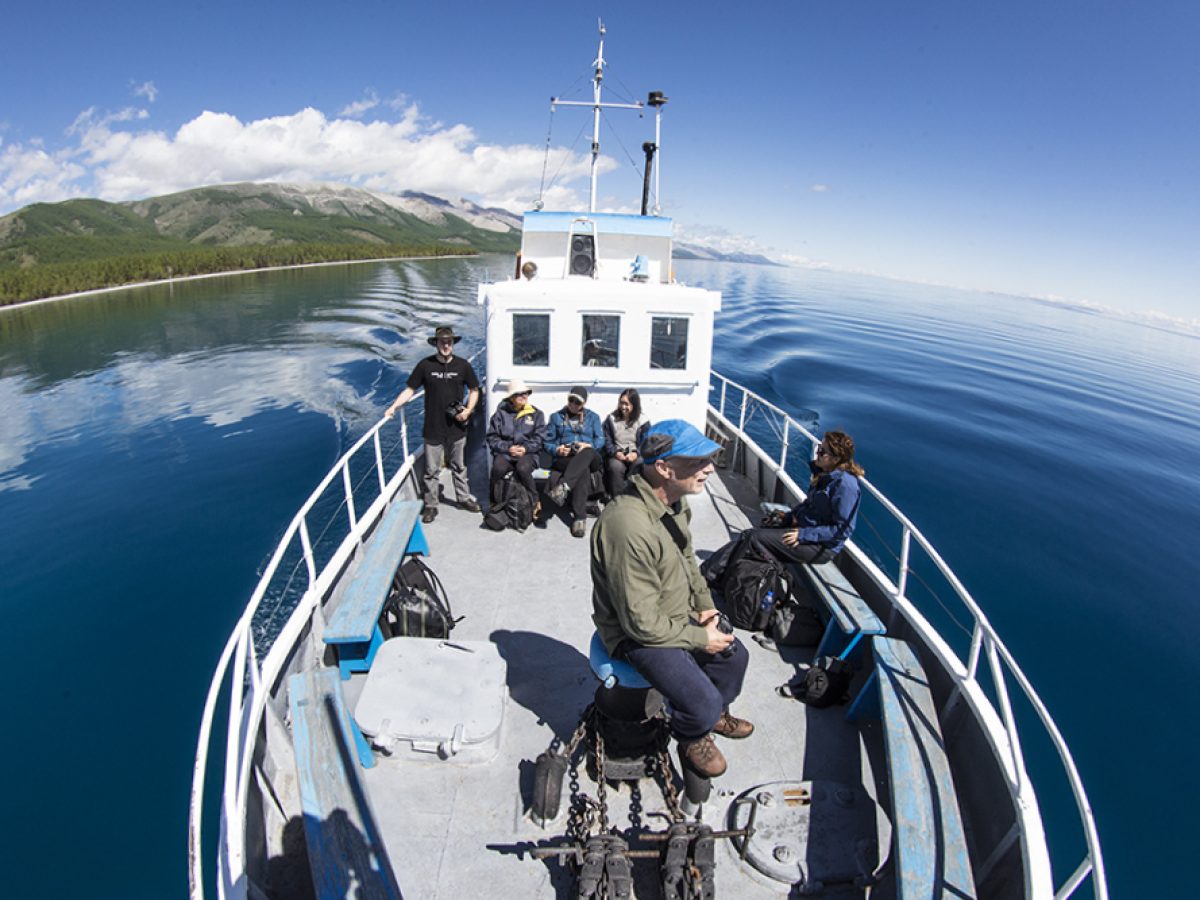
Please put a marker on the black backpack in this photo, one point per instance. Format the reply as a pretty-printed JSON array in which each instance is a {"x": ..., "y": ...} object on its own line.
[
  {"x": 751, "y": 588},
  {"x": 417, "y": 605},
  {"x": 795, "y": 624},
  {"x": 825, "y": 683},
  {"x": 515, "y": 509}
]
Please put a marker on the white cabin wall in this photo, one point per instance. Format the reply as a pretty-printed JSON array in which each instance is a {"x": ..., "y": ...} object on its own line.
[{"x": 666, "y": 393}]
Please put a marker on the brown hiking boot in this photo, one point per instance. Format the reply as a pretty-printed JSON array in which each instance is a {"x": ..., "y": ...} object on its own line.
[
  {"x": 703, "y": 757},
  {"x": 732, "y": 727}
]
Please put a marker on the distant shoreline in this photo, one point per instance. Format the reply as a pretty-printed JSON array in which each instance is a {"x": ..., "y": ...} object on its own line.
[{"x": 22, "y": 304}]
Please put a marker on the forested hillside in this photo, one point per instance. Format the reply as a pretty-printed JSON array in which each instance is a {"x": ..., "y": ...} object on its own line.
[{"x": 54, "y": 248}]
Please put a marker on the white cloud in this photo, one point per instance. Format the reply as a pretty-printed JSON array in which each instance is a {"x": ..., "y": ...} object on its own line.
[
  {"x": 28, "y": 174},
  {"x": 356, "y": 109},
  {"x": 115, "y": 157},
  {"x": 148, "y": 90},
  {"x": 819, "y": 188}
]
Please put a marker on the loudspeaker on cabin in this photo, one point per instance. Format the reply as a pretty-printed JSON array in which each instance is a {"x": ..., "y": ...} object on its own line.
[{"x": 583, "y": 254}]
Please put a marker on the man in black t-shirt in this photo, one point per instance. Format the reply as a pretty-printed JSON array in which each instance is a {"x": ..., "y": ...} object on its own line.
[{"x": 445, "y": 377}]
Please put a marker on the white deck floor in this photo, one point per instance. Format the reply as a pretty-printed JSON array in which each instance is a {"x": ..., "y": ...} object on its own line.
[{"x": 455, "y": 830}]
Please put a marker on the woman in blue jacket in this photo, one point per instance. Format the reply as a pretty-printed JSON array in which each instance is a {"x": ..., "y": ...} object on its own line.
[
  {"x": 817, "y": 528},
  {"x": 574, "y": 448}
]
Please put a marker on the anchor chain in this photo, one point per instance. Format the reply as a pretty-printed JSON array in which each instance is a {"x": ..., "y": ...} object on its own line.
[
  {"x": 667, "y": 772},
  {"x": 688, "y": 863}
]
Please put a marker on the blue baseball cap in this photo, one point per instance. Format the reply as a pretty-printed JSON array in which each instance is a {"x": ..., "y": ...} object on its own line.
[{"x": 675, "y": 437}]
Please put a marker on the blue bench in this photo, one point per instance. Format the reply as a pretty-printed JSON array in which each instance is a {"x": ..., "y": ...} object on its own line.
[
  {"x": 344, "y": 846},
  {"x": 354, "y": 626},
  {"x": 929, "y": 846},
  {"x": 850, "y": 617}
]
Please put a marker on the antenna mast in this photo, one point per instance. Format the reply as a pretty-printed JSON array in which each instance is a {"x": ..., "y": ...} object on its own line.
[{"x": 596, "y": 106}]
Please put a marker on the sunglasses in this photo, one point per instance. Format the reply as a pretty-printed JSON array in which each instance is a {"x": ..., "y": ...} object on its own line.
[{"x": 821, "y": 451}]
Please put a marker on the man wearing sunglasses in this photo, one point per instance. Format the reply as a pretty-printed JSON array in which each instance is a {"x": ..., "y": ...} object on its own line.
[{"x": 650, "y": 604}]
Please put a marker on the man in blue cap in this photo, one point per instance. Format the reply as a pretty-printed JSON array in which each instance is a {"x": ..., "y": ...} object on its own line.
[{"x": 651, "y": 605}]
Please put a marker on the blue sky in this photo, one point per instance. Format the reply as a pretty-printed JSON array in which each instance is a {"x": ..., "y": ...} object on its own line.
[{"x": 1050, "y": 149}]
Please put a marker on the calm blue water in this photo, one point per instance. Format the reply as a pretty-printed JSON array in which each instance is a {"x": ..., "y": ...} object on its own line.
[{"x": 154, "y": 444}]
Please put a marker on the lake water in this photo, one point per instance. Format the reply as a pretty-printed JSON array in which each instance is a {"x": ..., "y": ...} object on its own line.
[{"x": 155, "y": 443}]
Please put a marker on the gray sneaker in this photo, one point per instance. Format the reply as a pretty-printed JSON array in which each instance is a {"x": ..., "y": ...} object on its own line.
[{"x": 578, "y": 528}]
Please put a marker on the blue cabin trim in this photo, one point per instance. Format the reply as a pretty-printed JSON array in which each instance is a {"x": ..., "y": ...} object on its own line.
[{"x": 606, "y": 223}]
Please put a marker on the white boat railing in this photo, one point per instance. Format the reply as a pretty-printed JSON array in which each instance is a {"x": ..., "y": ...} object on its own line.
[
  {"x": 249, "y": 679},
  {"x": 739, "y": 407}
]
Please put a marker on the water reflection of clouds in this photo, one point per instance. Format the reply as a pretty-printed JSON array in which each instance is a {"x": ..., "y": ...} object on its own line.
[{"x": 222, "y": 389}]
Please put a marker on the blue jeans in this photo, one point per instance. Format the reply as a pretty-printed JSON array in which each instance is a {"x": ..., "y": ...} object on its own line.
[{"x": 699, "y": 686}]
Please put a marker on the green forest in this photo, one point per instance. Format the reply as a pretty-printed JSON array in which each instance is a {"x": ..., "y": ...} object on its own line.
[{"x": 52, "y": 279}]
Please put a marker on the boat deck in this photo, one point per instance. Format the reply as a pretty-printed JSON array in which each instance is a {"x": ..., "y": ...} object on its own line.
[{"x": 452, "y": 828}]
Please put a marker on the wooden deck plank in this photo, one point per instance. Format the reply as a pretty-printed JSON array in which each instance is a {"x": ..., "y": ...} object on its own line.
[
  {"x": 930, "y": 844},
  {"x": 354, "y": 620},
  {"x": 344, "y": 846}
]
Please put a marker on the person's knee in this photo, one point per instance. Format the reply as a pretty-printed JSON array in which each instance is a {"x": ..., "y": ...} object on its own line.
[{"x": 708, "y": 707}]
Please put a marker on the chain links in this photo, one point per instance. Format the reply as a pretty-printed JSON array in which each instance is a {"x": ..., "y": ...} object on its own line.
[{"x": 667, "y": 772}]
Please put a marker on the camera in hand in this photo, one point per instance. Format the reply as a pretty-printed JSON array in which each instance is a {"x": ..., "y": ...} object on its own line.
[
  {"x": 455, "y": 407},
  {"x": 723, "y": 624}
]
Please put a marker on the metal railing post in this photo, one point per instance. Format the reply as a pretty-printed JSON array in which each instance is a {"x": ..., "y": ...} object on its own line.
[
  {"x": 349, "y": 495},
  {"x": 379, "y": 462},
  {"x": 1006, "y": 710},
  {"x": 902, "y": 576},
  {"x": 306, "y": 546}
]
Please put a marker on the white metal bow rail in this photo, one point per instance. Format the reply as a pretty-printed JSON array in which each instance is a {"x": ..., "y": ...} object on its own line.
[
  {"x": 738, "y": 407},
  {"x": 249, "y": 678}
]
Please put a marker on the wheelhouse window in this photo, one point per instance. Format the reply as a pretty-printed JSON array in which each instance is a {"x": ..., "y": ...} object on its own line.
[
  {"x": 668, "y": 342},
  {"x": 531, "y": 339},
  {"x": 601, "y": 341}
]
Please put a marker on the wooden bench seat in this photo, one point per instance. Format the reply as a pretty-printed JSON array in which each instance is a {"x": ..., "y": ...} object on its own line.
[
  {"x": 850, "y": 617},
  {"x": 344, "y": 845},
  {"x": 354, "y": 625},
  {"x": 929, "y": 846}
]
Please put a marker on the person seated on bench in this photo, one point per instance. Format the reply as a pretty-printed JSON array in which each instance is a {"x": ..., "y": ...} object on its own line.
[
  {"x": 515, "y": 435},
  {"x": 572, "y": 451},
  {"x": 817, "y": 528},
  {"x": 650, "y": 604},
  {"x": 624, "y": 430}
]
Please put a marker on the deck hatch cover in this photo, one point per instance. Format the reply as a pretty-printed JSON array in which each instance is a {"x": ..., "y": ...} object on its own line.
[{"x": 435, "y": 697}]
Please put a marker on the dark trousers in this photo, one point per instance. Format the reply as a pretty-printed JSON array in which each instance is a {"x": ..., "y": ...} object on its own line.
[
  {"x": 577, "y": 472},
  {"x": 764, "y": 541},
  {"x": 617, "y": 472},
  {"x": 759, "y": 543},
  {"x": 502, "y": 464},
  {"x": 698, "y": 686}
]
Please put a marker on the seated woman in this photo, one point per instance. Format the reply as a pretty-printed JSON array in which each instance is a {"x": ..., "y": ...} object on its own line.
[
  {"x": 623, "y": 430},
  {"x": 572, "y": 450},
  {"x": 817, "y": 528},
  {"x": 515, "y": 435}
]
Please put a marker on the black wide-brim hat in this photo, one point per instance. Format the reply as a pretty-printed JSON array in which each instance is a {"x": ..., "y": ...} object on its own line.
[{"x": 442, "y": 332}]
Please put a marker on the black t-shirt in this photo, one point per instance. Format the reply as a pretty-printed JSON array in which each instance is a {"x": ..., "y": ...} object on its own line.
[{"x": 444, "y": 383}]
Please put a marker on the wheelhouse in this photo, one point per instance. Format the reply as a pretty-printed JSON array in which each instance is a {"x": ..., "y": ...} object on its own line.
[{"x": 593, "y": 302}]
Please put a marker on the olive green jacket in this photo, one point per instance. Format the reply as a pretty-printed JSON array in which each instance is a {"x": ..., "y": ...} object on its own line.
[{"x": 644, "y": 586}]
